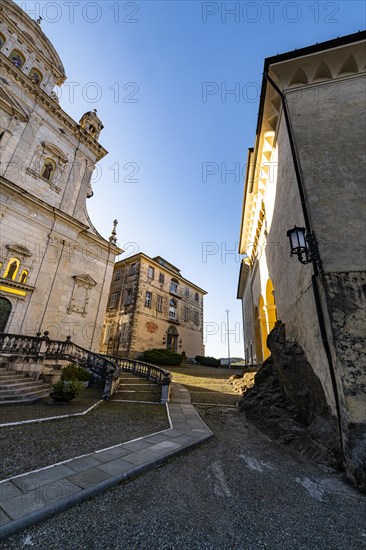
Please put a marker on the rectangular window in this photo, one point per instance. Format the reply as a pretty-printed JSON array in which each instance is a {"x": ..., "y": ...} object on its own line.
[
  {"x": 196, "y": 297},
  {"x": 117, "y": 275},
  {"x": 132, "y": 269},
  {"x": 150, "y": 272},
  {"x": 159, "y": 303},
  {"x": 161, "y": 278},
  {"x": 113, "y": 300},
  {"x": 128, "y": 297},
  {"x": 148, "y": 298},
  {"x": 196, "y": 318},
  {"x": 186, "y": 292},
  {"x": 186, "y": 314}
]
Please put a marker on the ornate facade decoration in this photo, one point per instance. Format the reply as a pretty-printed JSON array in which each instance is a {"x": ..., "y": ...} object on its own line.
[{"x": 47, "y": 160}]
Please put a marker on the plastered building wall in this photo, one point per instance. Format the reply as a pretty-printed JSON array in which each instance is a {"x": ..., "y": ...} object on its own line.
[
  {"x": 45, "y": 227},
  {"x": 133, "y": 324}
]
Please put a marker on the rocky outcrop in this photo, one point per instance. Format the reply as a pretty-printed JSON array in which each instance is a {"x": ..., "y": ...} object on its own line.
[
  {"x": 346, "y": 300},
  {"x": 287, "y": 401},
  {"x": 242, "y": 383}
]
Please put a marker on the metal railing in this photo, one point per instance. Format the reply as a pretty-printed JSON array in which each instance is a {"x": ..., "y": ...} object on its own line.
[{"x": 106, "y": 367}]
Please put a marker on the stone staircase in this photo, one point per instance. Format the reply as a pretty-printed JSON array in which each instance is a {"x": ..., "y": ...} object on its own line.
[
  {"x": 134, "y": 388},
  {"x": 17, "y": 389}
]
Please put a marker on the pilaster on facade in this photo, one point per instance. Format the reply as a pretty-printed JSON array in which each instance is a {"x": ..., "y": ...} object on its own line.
[{"x": 46, "y": 168}]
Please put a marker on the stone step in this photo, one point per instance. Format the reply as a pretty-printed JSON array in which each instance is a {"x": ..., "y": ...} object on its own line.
[
  {"x": 29, "y": 396},
  {"x": 19, "y": 383},
  {"x": 25, "y": 389},
  {"x": 25, "y": 401},
  {"x": 17, "y": 389},
  {"x": 11, "y": 376}
]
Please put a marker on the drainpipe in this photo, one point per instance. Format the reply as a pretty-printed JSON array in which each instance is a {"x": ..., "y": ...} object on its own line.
[{"x": 317, "y": 265}]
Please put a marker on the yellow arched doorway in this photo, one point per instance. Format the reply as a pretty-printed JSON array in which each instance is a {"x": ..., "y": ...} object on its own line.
[
  {"x": 271, "y": 311},
  {"x": 267, "y": 316}
]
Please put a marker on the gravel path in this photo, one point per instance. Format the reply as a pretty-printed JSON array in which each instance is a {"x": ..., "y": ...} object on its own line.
[
  {"x": 27, "y": 447},
  {"x": 47, "y": 407},
  {"x": 238, "y": 491}
]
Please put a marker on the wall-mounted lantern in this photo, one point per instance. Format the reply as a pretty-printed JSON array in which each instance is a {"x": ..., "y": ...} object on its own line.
[{"x": 304, "y": 245}]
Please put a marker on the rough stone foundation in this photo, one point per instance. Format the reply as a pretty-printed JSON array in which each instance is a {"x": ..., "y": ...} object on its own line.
[{"x": 287, "y": 401}]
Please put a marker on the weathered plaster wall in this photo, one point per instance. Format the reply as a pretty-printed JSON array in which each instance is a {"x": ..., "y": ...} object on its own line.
[
  {"x": 291, "y": 280},
  {"x": 146, "y": 327},
  {"x": 332, "y": 158},
  {"x": 59, "y": 252}
]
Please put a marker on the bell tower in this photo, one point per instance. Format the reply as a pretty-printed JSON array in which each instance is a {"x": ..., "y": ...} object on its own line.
[{"x": 92, "y": 124}]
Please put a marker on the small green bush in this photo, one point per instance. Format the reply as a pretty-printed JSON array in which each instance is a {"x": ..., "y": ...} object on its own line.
[
  {"x": 207, "y": 361},
  {"x": 74, "y": 372},
  {"x": 163, "y": 357},
  {"x": 68, "y": 386}
]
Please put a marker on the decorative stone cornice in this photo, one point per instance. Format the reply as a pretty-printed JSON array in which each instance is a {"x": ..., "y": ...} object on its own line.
[
  {"x": 325, "y": 66},
  {"x": 84, "y": 280},
  {"x": 294, "y": 73},
  {"x": 48, "y": 53},
  {"x": 36, "y": 204},
  {"x": 53, "y": 108},
  {"x": 19, "y": 250}
]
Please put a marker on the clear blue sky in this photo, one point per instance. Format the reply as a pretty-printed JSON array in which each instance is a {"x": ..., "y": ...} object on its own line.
[{"x": 144, "y": 66}]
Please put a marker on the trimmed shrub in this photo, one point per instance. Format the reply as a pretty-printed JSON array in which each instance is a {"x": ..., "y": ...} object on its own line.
[
  {"x": 67, "y": 386},
  {"x": 162, "y": 357},
  {"x": 207, "y": 361},
  {"x": 74, "y": 372}
]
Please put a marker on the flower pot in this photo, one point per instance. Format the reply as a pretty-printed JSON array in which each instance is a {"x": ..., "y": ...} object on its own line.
[{"x": 63, "y": 397}]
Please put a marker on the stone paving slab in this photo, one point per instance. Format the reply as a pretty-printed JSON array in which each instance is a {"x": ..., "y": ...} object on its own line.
[{"x": 29, "y": 498}]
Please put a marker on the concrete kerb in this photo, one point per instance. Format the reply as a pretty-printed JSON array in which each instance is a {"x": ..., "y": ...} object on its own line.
[{"x": 187, "y": 430}]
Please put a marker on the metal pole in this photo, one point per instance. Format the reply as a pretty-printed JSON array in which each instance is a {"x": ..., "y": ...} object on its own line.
[{"x": 228, "y": 337}]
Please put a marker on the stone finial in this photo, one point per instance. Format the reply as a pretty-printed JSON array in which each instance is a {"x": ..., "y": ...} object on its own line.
[
  {"x": 113, "y": 237},
  {"x": 92, "y": 124}
]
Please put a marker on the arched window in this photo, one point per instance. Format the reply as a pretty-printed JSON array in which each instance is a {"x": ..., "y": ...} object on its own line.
[
  {"x": 174, "y": 286},
  {"x": 17, "y": 58},
  {"x": 5, "y": 310},
  {"x": 12, "y": 269},
  {"x": 2, "y": 40},
  {"x": 23, "y": 276},
  {"x": 48, "y": 169},
  {"x": 36, "y": 76},
  {"x": 173, "y": 310}
]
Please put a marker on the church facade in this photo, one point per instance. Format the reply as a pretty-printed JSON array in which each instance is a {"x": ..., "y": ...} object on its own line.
[
  {"x": 305, "y": 194},
  {"x": 152, "y": 306},
  {"x": 55, "y": 268}
]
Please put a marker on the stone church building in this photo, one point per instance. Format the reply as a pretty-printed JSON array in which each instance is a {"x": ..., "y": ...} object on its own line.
[
  {"x": 151, "y": 305},
  {"x": 305, "y": 193},
  {"x": 55, "y": 269}
]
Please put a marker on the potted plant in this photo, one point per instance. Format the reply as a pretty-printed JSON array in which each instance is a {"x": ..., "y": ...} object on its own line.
[
  {"x": 66, "y": 390},
  {"x": 75, "y": 372},
  {"x": 73, "y": 380}
]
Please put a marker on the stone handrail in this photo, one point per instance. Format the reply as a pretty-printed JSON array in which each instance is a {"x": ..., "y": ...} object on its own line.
[
  {"x": 147, "y": 370},
  {"x": 107, "y": 367},
  {"x": 42, "y": 347}
]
